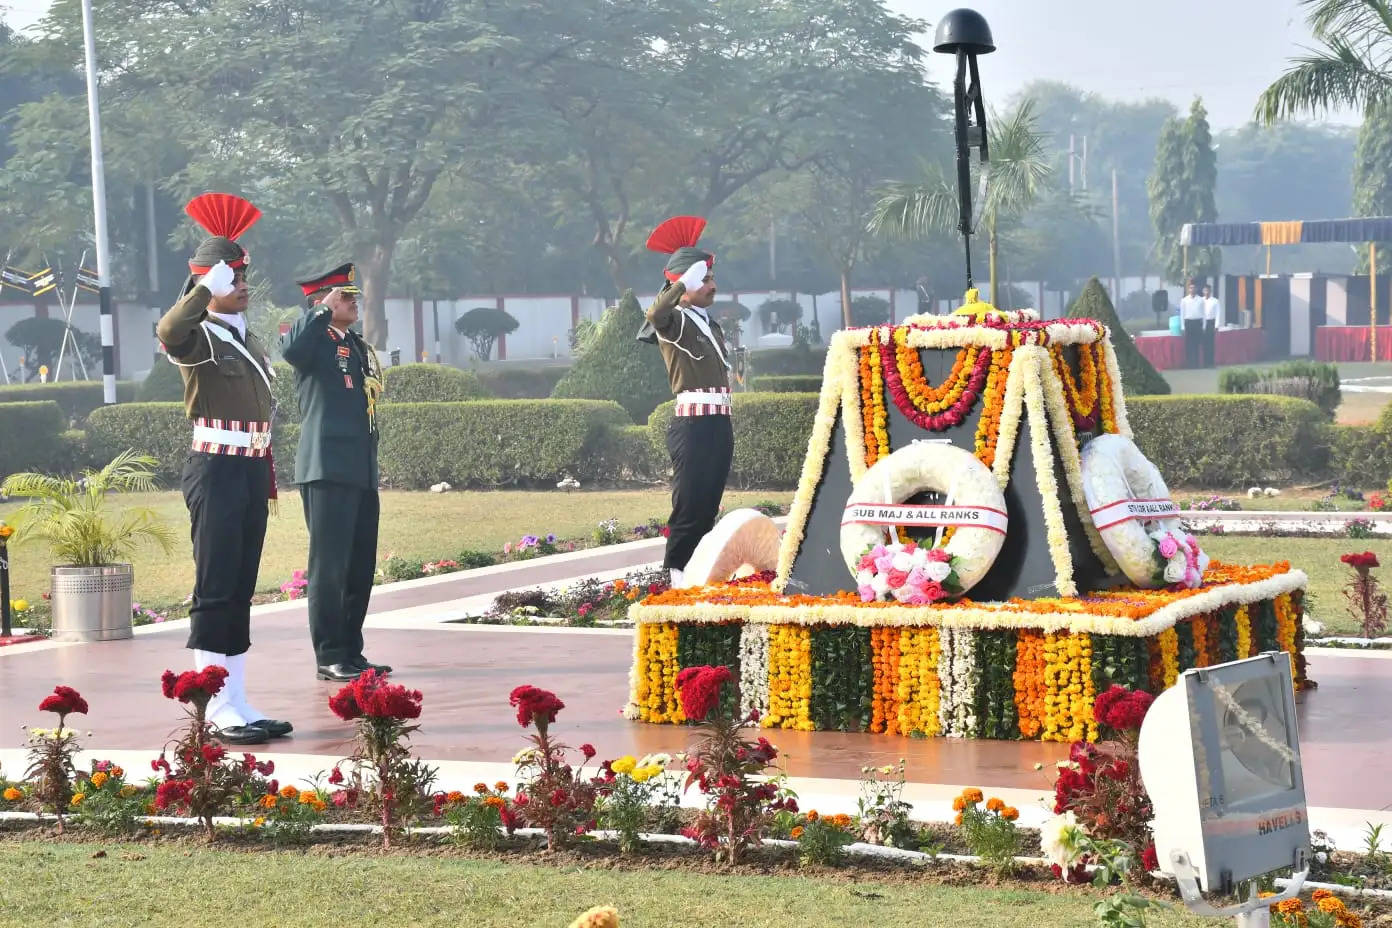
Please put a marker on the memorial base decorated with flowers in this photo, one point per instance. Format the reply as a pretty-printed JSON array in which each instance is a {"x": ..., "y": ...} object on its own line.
[{"x": 1069, "y": 570}]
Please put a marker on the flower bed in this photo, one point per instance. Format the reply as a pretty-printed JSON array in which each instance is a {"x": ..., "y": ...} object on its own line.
[{"x": 1020, "y": 669}]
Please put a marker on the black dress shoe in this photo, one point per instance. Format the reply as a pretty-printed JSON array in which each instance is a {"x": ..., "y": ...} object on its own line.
[
  {"x": 339, "y": 673},
  {"x": 241, "y": 734},
  {"x": 366, "y": 664},
  {"x": 273, "y": 727}
]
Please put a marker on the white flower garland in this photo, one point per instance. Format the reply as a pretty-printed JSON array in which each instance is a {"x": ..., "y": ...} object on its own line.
[
  {"x": 753, "y": 669},
  {"x": 957, "y": 679},
  {"x": 1055, "y": 530},
  {"x": 1118, "y": 394},
  {"x": 981, "y": 616},
  {"x": 1066, "y": 440}
]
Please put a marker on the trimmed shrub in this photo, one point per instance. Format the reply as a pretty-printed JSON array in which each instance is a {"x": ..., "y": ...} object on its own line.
[
  {"x": 33, "y": 437},
  {"x": 508, "y": 380},
  {"x": 869, "y": 310},
  {"x": 430, "y": 383},
  {"x": 1223, "y": 442},
  {"x": 799, "y": 359},
  {"x": 491, "y": 443},
  {"x": 787, "y": 383},
  {"x": 160, "y": 430},
  {"x": 1362, "y": 454},
  {"x": 627, "y": 455},
  {"x": 1138, "y": 376},
  {"x": 164, "y": 383},
  {"x": 482, "y": 325},
  {"x": 618, "y": 367},
  {"x": 76, "y": 398},
  {"x": 771, "y": 433},
  {"x": 283, "y": 392},
  {"x": 1315, "y": 381}
]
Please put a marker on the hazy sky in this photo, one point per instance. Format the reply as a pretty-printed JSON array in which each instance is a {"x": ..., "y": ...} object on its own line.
[{"x": 1225, "y": 50}]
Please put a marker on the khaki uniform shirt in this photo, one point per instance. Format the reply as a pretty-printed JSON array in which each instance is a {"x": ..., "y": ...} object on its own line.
[
  {"x": 693, "y": 362},
  {"x": 219, "y": 381}
]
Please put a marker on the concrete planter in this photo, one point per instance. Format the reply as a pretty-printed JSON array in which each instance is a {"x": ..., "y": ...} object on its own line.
[{"x": 92, "y": 603}]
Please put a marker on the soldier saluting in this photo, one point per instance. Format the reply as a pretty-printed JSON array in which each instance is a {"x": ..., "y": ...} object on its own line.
[
  {"x": 700, "y": 439},
  {"x": 337, "y": 379},
  {"x": 229, "y": 477}
]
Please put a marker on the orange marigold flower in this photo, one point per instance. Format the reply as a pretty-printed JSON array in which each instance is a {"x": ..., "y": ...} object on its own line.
[
  {"x": 308, "y": 798},
  {"x": 319, "y": 804},
  {"x": 994, "y": 805},
  {"x": 117, "y": 772},
  {"x": 1330, "y": 905},
  {"x": 500, "y": 786},
  {"x": 269, "y": 801},
  {"x": 796, "y": 833},
  {"x": 98, "y": 779},
  {"x": 13, "y": 795},
  {"x": 1317, "y": 895},
  {"x": 958, "y": 804},
  {"x": 454, "y": 795},
  {"x": 972, "y": 794},
  {"x": 812, "y": 815},
  {"x": 289, "y": 792},
  {"x": 1010, "y": 813},
  {"x": 496, "y": 802},
  {"x": 1290, "y": 907},
  {"x": 480, "y": 788},
  {"x": 958, "y": 819}
]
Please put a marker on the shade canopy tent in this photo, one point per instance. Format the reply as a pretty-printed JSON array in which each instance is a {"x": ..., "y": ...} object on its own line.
[{"x": 1369, "y": 230}]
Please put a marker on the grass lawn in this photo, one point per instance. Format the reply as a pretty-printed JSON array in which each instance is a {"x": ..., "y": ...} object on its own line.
[
  {"x": 145, "y": 884},
  {"x": 413, "y": 525},
  {"x": 1356, "y": 408},
  {"x": 1289, "y": 500}
]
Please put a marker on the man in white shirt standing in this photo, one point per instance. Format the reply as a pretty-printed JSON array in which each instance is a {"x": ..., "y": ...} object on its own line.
[
  {"x": 1212, "y": 312},
  {"x": 1191, "y": 312}
]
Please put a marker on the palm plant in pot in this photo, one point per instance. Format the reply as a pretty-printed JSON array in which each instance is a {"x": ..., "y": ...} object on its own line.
[{"x": 88, "y": 538}]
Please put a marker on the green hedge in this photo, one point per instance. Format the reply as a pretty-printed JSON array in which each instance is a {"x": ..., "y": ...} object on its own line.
[
  {"x": 771, "y": 432},
  {"x": 163, "y": 431},
  {"x": 510, "y": 381},
  {"x": 1224, "y": 442},
  {"x": 166, "y": 385},
  {"x": 430, "y": 383},
  {"x": 1316, "y": 381},
  {"x": 495, "y": 442},
  {"x": 32, "y": 437},
  {"x": 787, "y": 383},
  {"x": 628, "y": 455},
  {"x": 1362, "y": 454},
  {"x": 76, "y": 398}
]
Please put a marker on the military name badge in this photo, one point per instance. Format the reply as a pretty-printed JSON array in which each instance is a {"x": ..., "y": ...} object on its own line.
[
  {"x": 348, "y": 381},
  {"x": 343, "y": 351}
]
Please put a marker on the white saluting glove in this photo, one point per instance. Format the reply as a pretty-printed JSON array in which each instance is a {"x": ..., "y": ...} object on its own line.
[
  {"x": 695, "y": 277},
  {"x": 219, "y": 279}
]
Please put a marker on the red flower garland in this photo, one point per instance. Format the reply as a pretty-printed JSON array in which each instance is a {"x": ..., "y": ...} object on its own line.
[{"x": 954, "y": 414}]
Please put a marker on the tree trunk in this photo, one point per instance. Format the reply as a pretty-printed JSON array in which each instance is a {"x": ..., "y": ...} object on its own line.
[
  {"x": 993, "y": 249},
  {"x": 846, "y": 298},
  {"x": 617, "y": 274},
  {"x": 375, "y": 268}
]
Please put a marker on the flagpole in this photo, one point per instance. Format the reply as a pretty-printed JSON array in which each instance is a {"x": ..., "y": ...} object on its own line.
[{"x": 108, "y": 329}]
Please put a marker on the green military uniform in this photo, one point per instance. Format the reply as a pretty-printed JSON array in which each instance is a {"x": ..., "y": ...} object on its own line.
[{"x": 337, "y": 381}]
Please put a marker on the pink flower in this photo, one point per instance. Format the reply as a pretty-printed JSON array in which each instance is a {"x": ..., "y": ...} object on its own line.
[
  {"x": 507, "y": 547},
  {"x": 866, "y": 563},
  {"x": 1168, "y": 547},
  {"x": 897, "y": 578},
  {"x": 934, "y": 591},
  {"x": 939, "y": 554},
  {"x": 883, "y": 562},
  {"x": 867, "y": 593}
]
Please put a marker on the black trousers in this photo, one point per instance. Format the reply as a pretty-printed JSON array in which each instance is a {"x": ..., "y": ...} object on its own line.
[
  {"x": 1193, "y": 341},
  {"x": 1210, "y": 341},
  {"x": 701, "y": 448},
  {"x": 226, "y": 499},
  {"x": 342, "y": 523}
]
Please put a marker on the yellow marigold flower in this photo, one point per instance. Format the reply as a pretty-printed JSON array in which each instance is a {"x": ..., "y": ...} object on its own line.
[
  {"x": 841, "y": 820},
  {"x": 13, "y": 795},
  {"x": 796, "y": 833},
  {"x": 269, "y": 801},
  {"x": 601, "y": 916},
  {"x": 128, "y": 791},
  {"x": 972, "y": 794},
  {"x": 98, "y": 779},
  {"x": 117, "y": 772},
  {"x": 641, "y": 774},
  {"x": 994, "y": 805},
  {"x": 319, "y": 805},
  {"x": 480, "y": 788},
  {"x": 289, "y": 792},
  {"x": 1010, "y": 813},
  {"x": 812, "y": 815},
  {"x": 454, "y": 795},
  {"x": 500, "y": 786},
  {"x": 624, "y": 764},
  {"x": 77, "y": 799}
]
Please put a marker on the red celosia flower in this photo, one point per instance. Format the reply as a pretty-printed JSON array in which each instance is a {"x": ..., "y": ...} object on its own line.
[
  {"x": 172, "y": 792},
  {"x": 699, "y": 688},
  {"x": 212, "y": 753},
  {"x": 372, "y": 696},
  {"x": 1122, "y": 709},
  {"x": 535, "y": 705},
  {"x": 558, "y": 797},
  {"x": 1365, "y": 561},
  {"x": 588, "y": 750},
  {"x": 1149, "y": 859},
  {"x": 64, "y": 699},
  {"x": 336, "y": 777},
  {"x": 193, "y": 685}
]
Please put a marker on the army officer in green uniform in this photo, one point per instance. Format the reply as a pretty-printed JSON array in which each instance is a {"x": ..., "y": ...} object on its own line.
[{"x": 337, "y": 379}]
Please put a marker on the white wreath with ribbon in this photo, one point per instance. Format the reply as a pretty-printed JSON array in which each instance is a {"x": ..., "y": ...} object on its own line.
[
  {"x": 974, "y": 505},
  {"x": 1131, "y": 507}
]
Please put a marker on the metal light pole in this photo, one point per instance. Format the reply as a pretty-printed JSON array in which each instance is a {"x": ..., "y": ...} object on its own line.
[{"x": 108, "y": 329}]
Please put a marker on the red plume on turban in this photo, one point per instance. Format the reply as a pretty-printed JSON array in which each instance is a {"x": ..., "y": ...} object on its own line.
[
  {"x": 222, "y": 214},
  {"x": 677, "y": 232}
]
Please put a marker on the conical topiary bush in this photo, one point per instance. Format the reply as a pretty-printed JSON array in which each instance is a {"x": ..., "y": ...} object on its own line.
[
  {"x": 1138, "y": 376},
  {"x": 616, "y": 366}
]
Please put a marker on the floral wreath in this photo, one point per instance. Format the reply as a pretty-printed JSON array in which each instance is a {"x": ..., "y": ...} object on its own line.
[
  {"x": 908, "y": 573},
  {"x": 974, "y": 509},
  {"x": 1131, "y": 508}
]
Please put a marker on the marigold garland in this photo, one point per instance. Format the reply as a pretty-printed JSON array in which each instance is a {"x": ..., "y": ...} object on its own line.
[
  {"x": 917, "y": 692},
  {"x": 1069, "y": 690},
  {"x": 884, "y": 647},
  {"x": 790, "y": 678},
  {"x": 1200, "y": 629},
  {"x": 1029, "y": 682},
  {"x": 874, "y": 423},
  {"x": 656, "y": 696},
  {"x": 910, "y": 392},
  {"x": 1169, "y": 657},
  {"x": 1243, "y": 624},
  {"x": 993, "y": 404},
  {"x": 1082, "y": 400}
]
